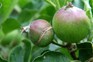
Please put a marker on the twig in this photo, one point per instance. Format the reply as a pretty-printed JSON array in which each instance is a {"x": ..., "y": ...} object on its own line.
[
  {"x": 50, "y": 2},
  {"x": 58, "y": 4},
  {"x": 73, "y": 55},
  {"x": 71, "y": 48},
  {"x": 64, "y": 46}
]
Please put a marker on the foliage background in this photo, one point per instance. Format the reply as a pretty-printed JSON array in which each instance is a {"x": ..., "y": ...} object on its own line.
[{"x": 16, "y": 46}]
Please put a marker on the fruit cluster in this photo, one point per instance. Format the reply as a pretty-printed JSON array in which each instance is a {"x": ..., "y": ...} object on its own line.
[{"x": 70, "y": 24}]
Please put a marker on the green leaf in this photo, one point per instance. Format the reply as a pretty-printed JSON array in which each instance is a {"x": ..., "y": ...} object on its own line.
[
  {"x": 22, "y": 3},
  {"x": 17, "y": 54},
  {"x": 10, "y": 25},
  {"x": 75, "y": 61},
  {"x": 52, "y": 57},
  {"x": 91, "y": 4},
  {"x": 12, "y": 38},
  {"x": 26, "y": 15},
  {"x": 30, "y": 11},
  {"x": 47, "y": 13},
  {"x": 91, "y": 35},
  {"x": 35, "y": 5},
  {"x": 85, "y": 51},
  {"x": 87, "y": 8},
  {"x": 65, "y": 52},
  {"x": 57, "y": 4},
  {"x": 27, "y": 55},
  {"x": 78, "y": 3},
  {"x": 6, "y": 7},
  {"x": 37, "y": 51},
  {"x": 1, "y": 60},
  {"x": 4, "y": 51},
  {"x": 1, "y": 34}
]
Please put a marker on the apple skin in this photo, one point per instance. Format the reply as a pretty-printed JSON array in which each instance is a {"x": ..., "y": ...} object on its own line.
[
  {"x": 71, "y": 24},
  {"x": 41, "y": 33}
]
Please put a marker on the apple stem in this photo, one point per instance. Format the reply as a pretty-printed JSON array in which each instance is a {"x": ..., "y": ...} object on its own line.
[
  {"x": 69, "y": 5},
  {"x": 64, "y": 46},
  {"x": 69, "y": 46},
  {"x": 72, "y": 49}
]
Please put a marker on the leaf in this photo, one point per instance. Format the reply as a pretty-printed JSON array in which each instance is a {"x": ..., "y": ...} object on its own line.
[
  {"x": 37, "y": 51},
  {"x": 78, "y": 3},
  {"x": 1, "y": 60},
  {"x": 37, "y": 4},
  {"x": 91, "y": 4},
  {"x": 22, "y": 3},
  {"x": 4, "y": 51},
  {"x": 87, "y": 8},
  {"x": 1, "y": 34},
  {"x": 10, "y": 25},
  {"x": 52, "y": 57},
  {"x": 26, "y": 15},
  {"x": 85, "y": 51},
  {"x": 34, "y": 5},
  {"x": 47, "y": 13},
  {"x": 6, "y": 7},
  {"x": 57, "y": 4},
  {"x": 30, "y": 11},
  {"x": 65, "y": 52},
  {"x": 17, "y": 54},
  {"x": 75, "y": 61},
  {"x": 12, "y": 39},
  {"x": 27, "y": 55}
]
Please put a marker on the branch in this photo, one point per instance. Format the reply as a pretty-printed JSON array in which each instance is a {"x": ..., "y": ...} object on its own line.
[
  {"x": 64, "y": 46},
  {"x": 50, "y": 2},
  {"x": 58, "y": 4},
  {"x": 71, "y": 48}
]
